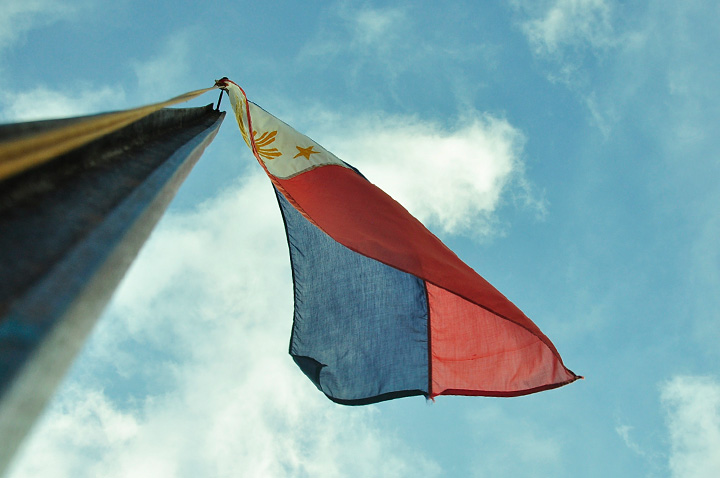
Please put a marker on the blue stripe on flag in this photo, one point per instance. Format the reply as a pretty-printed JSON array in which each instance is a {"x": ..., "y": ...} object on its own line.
[{"x": 360, "y": 326}]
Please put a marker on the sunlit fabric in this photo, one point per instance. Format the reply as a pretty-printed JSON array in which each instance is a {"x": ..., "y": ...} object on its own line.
[{"x": 383, "y": 308}]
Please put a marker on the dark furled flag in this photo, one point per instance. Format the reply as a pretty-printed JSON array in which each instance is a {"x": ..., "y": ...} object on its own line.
[{"x": 78, "y": 198}]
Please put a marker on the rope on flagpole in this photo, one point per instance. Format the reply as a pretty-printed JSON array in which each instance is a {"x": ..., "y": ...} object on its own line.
[{"x": 21, "y": 154}]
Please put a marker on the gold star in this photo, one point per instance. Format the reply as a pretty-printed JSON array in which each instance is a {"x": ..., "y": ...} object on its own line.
[{"x": 306, "y": 152}]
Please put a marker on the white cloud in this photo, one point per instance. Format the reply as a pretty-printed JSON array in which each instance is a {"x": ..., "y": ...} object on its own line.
[
  {"x": 81, "y": 422},
  {"x": 692, "y": 405},
  {"x": 159, "y": 78},
  {"x": 211, "y": 298},
  {"x": 21, "y": 16},
  {"x": 45, "y": 103},
  {"x": 571, "y": 23},
  {"x": 453, "y": 178}
]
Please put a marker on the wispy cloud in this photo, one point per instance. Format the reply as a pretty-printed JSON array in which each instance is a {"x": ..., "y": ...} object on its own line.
[
  {"x": 222, "y": 398},
  {"x": 561, "y": 24},
  {"x": 372, "y": 32},
  {"x": 17, "y": 19},
  {"x": 382, "y": 44},
  {"x": 624, "y": 431},
  {"x": 570, "y": 36},
  {"x": 621, "y": 59},
  {"x": 20, "y": 16},
  {"x": 42, "y": 102},
  {"x": 375, "y": 28}
]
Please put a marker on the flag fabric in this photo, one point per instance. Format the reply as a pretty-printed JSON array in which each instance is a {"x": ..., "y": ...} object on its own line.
[{"x": 383, "y": 309}]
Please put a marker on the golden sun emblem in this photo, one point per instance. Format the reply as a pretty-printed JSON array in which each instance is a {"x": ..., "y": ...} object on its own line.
[
  {"x": 265, "y": 139},
  {"x": 306, "y": 152},
  {"x": 261, "y": 143}
]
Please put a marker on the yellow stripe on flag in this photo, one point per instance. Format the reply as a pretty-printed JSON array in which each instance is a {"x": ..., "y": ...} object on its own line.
[{"x": 19, "y": 155}]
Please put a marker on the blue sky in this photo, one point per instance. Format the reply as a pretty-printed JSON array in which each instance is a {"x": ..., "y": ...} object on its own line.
[{"x": 563, "y": 148}]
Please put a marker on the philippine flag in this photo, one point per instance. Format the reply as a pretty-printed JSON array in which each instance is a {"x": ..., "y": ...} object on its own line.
[{"x": 383, "y": 309}]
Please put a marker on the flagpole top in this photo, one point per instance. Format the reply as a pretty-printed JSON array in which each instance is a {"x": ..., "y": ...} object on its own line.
[{"x": 223, "y": 82}]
